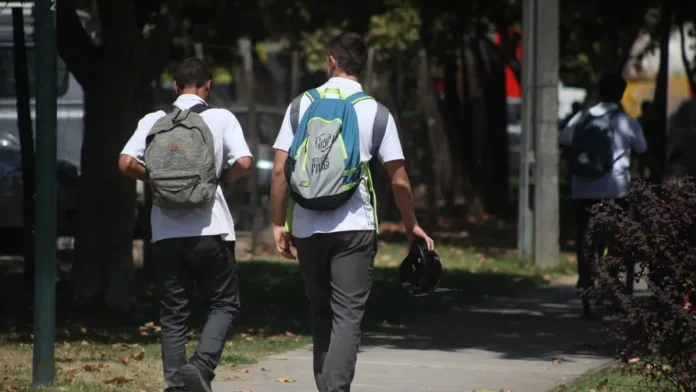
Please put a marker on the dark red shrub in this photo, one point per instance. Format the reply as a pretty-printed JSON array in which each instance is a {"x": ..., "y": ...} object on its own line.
[{"x": 659, "y": 237}]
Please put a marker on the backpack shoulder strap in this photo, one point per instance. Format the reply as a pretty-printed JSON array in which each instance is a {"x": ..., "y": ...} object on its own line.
[
  {"x": 379, "y": 128},
  {"x": 295, "y": 112},
  {"x": 199, "y": 108},
  {"x": 313, "y": 95}
]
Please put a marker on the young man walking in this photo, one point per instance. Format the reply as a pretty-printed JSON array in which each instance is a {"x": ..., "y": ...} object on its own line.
[
  {"x": 586, "y": 136},
  {"x": 184, "y": 154},
  {"x": 336, "y": 246}
]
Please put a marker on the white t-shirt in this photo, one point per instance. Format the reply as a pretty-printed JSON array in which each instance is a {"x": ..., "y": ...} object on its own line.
[
  {"x": 357, "y": 214},
  {"x": 628, "y": 137},
  {"x": 230, "y": 145}
]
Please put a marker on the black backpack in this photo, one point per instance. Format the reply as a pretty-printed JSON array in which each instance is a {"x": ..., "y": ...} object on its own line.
[{"x": 591, "y": 152}]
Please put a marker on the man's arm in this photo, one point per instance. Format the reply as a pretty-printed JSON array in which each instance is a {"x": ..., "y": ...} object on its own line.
[
  {"x": 403, "y": 195},
  {"x": 239, "y": 169},
  {"x": 279, "y": 189},
  {"x": 236, "y": 155},
  {"x": 130, "y": 167}
]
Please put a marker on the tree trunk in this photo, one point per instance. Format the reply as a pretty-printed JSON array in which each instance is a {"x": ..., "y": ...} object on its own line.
[
  {"x": 103, "y": 266},
  {"x": 498, "y": 188},
  {"x": 440, "y": 156},
  {"x": 476, "y": 123}
]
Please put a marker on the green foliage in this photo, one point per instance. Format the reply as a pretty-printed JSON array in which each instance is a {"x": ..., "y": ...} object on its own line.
[
  {"x": 398, "y": 29},
  {"x": 314, "y": 44}
]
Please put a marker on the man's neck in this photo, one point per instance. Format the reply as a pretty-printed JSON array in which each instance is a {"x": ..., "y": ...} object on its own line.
[
  {"x": 344, "y": 76},
  {"x": 192, "y": 91}
]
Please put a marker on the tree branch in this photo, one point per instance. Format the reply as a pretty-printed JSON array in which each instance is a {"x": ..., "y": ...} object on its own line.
[
  {"x": 157, "y": 47},
  {"x": 74, "y": 45},
  {"x": 119, "y": 28}
]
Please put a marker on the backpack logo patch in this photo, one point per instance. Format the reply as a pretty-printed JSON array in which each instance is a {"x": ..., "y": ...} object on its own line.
[{"x": 323, "y": 142}]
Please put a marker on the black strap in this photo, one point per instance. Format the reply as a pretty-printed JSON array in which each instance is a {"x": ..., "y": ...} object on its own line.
[
  {"x": 197, "y": 108},
  {"x": 295, "y": 113},
  {"x": 379, "y": 129}
]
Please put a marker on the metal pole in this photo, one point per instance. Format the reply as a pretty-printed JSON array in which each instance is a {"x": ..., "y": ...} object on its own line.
[
  {"x": 46, "y": 106},
  {"x": 546, "y": 211},
  {"x": 524, "y": 221},
  {"x": 245, "y": 50}
]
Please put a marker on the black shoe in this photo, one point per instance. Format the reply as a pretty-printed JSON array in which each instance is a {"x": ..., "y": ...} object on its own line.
[{"x": 194, "y": 379}]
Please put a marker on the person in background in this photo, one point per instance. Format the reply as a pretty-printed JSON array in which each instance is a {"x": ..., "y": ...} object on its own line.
[{"x": 614, "y": 180}]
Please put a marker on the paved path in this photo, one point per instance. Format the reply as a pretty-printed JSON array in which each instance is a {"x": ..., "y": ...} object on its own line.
[{"x": 531, "y": 343}]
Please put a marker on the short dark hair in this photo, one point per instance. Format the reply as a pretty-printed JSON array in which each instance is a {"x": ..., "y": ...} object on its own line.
[
  {"x": 612, "y": 87},
  {"x": 350, "y": 52},
  {"x": 192, "y": 72}
]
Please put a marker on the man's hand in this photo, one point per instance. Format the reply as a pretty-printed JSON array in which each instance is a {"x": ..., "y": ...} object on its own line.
[
  {"x": 282, "y": 242},
  {"x": 418, "y": 233}
]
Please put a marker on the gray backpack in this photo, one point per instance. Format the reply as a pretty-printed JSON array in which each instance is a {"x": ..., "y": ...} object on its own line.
[{"x": 180, "y": 160}]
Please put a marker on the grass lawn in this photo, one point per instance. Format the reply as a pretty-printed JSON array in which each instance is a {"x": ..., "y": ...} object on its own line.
[
  {"x": 102, "y": 351},
  {"x": 620, "y": 378}
]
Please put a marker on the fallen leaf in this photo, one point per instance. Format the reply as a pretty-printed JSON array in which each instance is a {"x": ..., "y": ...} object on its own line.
[
  {"x": 633, "y": 360},
  {"x": 263, "y": 369},
  {"x": 84, "y": 343},
  {"x": 117, "y": 381},
  {"x": 139, "y": 356},
  {"x": 285, "y": 380},
  {"x": 290, "y": 334},
  {"x": 125, "y": 360},
  {"x": 244, "y": 370},
  {"x": 91, "y": 368},
  {"x": 559, "y": 360}
]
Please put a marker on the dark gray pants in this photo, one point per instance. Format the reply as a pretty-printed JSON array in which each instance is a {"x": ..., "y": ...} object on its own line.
[
  {"x": 337, "y": 271},
  {"x": 209, "y": 261}
]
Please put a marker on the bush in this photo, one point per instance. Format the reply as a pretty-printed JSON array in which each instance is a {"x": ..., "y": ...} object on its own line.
[{"x": 660, "y": 239}]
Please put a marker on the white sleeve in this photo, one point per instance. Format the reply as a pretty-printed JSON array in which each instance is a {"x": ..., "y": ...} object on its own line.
[
  {"x": 390, "y": 149},
  {"x": 285, "y": 136},
  {"x": 137, "y": 143},
  {"x": 233, "y": 141}
]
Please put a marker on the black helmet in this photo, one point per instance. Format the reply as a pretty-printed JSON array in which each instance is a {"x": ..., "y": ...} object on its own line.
[{"x": 421, "y": 270}]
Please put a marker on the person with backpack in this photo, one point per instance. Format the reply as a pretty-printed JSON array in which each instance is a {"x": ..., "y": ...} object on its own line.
[
  {"x": 323, "y": 202},
  {"x": 185, "y": 153},
  {"x": 597, "y": 145}
]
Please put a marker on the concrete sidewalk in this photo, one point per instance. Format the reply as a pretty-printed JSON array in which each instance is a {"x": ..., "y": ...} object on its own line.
[{"x": 530, "y": 343}]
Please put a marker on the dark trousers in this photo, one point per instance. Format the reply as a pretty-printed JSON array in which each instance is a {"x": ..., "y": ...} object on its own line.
[
  {"x": 337, "y": 271},
  {"x": 595, "y": 245},
  {"x": 210, "y": 263}
]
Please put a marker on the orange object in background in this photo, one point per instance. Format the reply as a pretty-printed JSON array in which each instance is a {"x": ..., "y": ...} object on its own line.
[{"x": 639, "y": 90}]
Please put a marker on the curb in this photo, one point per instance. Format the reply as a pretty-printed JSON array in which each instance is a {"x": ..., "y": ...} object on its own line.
[{"x": 585, "y": 376}]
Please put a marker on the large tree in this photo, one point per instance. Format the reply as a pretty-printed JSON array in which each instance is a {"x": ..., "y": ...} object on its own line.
[{"x": 115, "y": 72}]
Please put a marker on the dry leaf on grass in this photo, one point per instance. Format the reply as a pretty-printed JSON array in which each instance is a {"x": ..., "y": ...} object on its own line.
[{"x": 117, "y": 381}]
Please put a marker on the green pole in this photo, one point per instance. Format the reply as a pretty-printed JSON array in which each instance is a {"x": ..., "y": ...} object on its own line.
[{"x": 44, "y": 366}]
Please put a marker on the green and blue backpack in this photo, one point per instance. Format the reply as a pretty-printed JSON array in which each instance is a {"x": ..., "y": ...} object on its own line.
[{"x": 323, "y": 169}]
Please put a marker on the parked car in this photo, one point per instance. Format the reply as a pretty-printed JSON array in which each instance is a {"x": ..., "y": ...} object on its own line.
[{"x": 70, "y": 112}]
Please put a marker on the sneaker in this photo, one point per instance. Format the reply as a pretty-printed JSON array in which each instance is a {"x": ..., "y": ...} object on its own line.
[{"x": 194, "y": 379}]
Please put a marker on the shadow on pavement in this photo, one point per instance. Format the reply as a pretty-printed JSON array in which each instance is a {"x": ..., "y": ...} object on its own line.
[{"x": 543, "y": 324}]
